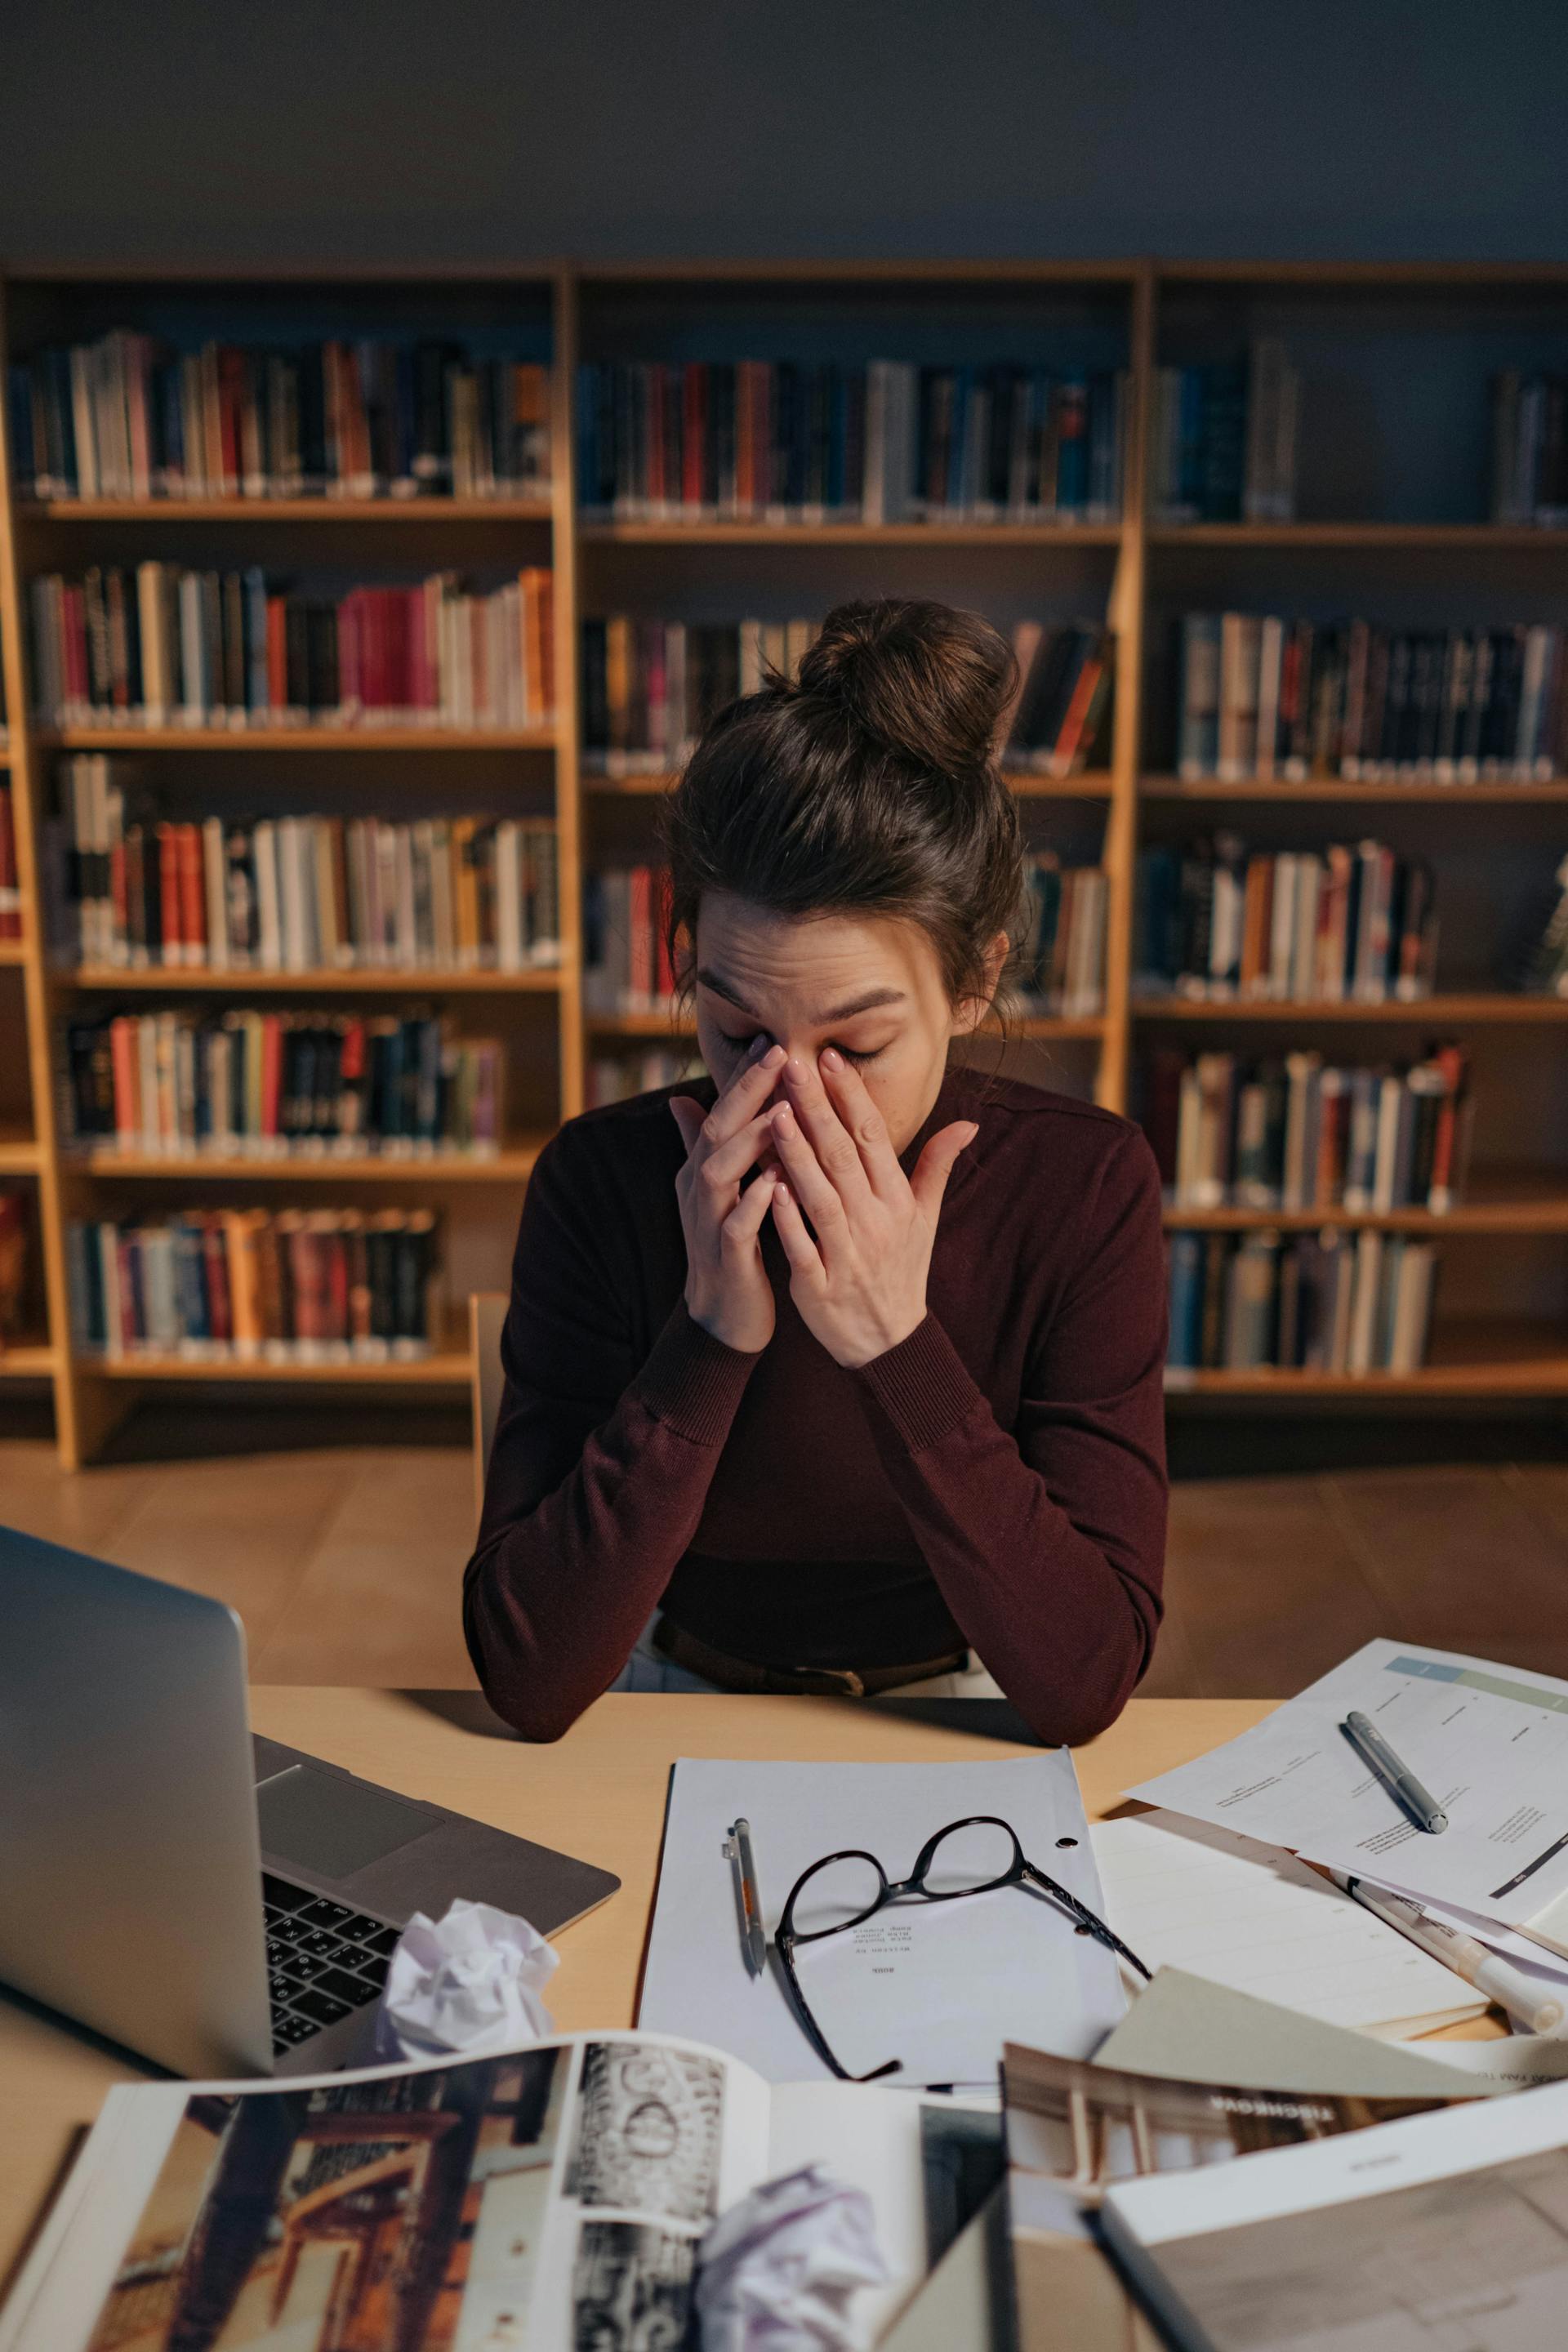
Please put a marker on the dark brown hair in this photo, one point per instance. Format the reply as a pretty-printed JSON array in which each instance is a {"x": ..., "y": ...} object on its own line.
[{"x": 867, "y": 785}]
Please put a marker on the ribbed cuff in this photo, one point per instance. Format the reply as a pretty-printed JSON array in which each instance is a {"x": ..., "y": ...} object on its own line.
[
  {"x": 693, "y": 1381},
  {"x": 922, "y": 1385}
]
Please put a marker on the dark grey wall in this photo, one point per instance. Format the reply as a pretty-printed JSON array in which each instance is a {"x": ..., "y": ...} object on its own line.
[{"x": 311, "y": 131}]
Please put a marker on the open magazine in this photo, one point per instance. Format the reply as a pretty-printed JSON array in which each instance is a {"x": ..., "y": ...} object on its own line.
[
  {"x": 1074, "y": 2130},
  {"x": 547, "y": 2200}
]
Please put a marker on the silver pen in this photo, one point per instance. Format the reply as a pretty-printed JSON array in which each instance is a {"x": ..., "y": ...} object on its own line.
[
  {"x": 753, "y": 1935},
  {"x": 1397, "y": 1779}
]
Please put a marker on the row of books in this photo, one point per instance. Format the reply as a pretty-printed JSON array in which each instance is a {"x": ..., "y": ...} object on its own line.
[
  {"x": 10, "y": 877},
  {"x": 1546, "y": 971},
  {"x": 297, "y": 893},
  {"x": 1260, "y": 695},
  {"x": 615, "y": 1078},
  {"x": 257, "y": 1285},
  {"x": 256, "y": 1084},
  {"x": 649, "y": 686},
  {"x": 130, "y": 417},
  {"x": 1224, "y": 439},
  {"x": 15, "y": 1227},
  {"x": 626, "y": 966},
  {"x": 758, "y": 440},
  {"x": 1330, "y": 1302},
  {"x": 167, "y": 647},
  {"x": 1060, "y": 723},
  {"x": 1346, "y": 923},
  {"x": 1298, "y": 1133},
  {"x": 1530, "y": 449},
  {"x": 1062, "y": 960}
]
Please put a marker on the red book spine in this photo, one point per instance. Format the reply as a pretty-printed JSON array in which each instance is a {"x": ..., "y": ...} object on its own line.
[
  {"x": 277, "y": 656},
  {"x": 351, "y": 655},
  {"x": 172, "y": 941},
  {"x": 192, "y": 894},
  {"x": 745, "y": 439},
  {"x": 694, "y": 431},
  {"x": 337, "y": 1299},
  {"x": 231, "y": 404},
  {"x": 220, "y": 1312},
  {"x": 271, "y": 1073},
  {"x": 657, "y": 395},
  {"x": 123, "y": 1064},
  {"x": 10, "y": 897}
]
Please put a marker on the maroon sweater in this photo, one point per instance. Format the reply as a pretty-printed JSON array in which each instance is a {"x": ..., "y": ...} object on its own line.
[{"x": 996, "y": 1479}]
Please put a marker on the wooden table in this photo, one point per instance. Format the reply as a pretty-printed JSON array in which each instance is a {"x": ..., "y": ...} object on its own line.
[{"x": 599, "y": 1792}]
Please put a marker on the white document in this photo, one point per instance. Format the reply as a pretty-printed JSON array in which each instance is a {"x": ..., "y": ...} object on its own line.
[
  {"x": 938, "y": 1985},
  {"x": 1186, "y": 1895},
  {"x": 1489, "y": 1742}
]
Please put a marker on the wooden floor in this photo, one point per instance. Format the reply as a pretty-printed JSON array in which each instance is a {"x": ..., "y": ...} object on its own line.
[{"x": 345, "y": 1560}]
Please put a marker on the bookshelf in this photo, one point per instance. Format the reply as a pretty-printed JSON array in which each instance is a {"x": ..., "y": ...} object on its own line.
[{"x": 1390, "y": 519}]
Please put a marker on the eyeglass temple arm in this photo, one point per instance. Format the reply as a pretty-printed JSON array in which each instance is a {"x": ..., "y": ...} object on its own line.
[
  {"x": 785, "y": 1947},
  {"x": 1085, "y": 1917}
]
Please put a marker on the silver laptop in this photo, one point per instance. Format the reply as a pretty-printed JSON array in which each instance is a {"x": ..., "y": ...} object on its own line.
[{"x": 220, "y": 1905}]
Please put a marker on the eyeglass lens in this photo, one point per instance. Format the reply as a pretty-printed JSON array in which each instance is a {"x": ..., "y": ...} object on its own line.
[
  {"x": 968, "y": 1858},
  {"x": 838, "y": 1893}
]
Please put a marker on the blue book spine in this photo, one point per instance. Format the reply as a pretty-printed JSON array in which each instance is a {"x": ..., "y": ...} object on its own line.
[
  {"x": 1189, "y": 440},
  {"x": 26, "y": 461},
  {"x": 958, "y": 440},
  {"x": 1186, "y": 1301}
]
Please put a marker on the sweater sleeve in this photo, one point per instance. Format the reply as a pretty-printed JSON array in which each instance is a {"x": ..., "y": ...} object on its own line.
[
  {"x": 600, "y": 1467},
  {"x": 1048, "y": 1542}
]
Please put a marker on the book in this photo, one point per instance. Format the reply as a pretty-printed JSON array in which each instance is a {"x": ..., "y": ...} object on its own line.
[
  {"x": 255, "y": 1083},
  {"x": 626, "y": 964},
  {"x": 1277, "y": 700},
  {"x": 15, "y": 1221},
  {"x": 1530, "y": 449},
  {"x": 1224, "y": 439},
  {"x": 1546, "y": 972},
  {"x": 139, "y": 890},
  {"x": 1060, "y": 968},
  {"x": 1347, "y": 1303},
  {"x": 784, "y": 442},
  {"x": 649, "y": 687},
  {"x": 1059, "y": 724},
  {"x": 1341, "y": 924},
  {"x": 132, "y": 416},
  {"x": 1433, "y": 2228},
  {"x": 165, "y": 647},
  {"x": 274, "y": 1286},
  {"x": 10, "y": 878},
  {"x": 615, "y": 1078},
  {"x": 557, "y": 2195},
  {"x": 1293, "y": 1132}
]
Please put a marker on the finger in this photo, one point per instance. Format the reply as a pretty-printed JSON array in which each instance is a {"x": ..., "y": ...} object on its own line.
[
  {"x": 689, "y": 1117},
  {"x": 744, "y": 1096},
  {"x": 858, "y": 1115},
  {"x": 824, "y": 1132},
  {"x": 804, "y": 1259},
  {"x": 936, "y": 1163},
  {"x": 727, "y": 1162},
  {"x": 744, "y": 1222},
  {"x": 813, "y": 1189}
]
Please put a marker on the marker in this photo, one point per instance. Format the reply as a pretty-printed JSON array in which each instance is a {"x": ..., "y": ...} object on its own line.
[
  {"x": 1397, "y": 1779},
  {"x": 753, "y": 1935},
  {"x": 1488, "y": 1971}
]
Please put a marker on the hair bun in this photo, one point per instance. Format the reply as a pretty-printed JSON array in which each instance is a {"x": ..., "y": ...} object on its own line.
[{"x": 925, "y": 682}]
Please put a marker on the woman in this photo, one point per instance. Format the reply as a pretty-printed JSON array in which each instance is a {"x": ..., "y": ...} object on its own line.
[{"x": 843, "y": 1365}]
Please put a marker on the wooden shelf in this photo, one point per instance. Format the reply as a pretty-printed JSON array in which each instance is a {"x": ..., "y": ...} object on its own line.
[
  {"x": 446, "y": 1367},
  {"x": 1471, "y": 536},
  {"x": 512, "y": 1166},
  {"x": 265, "y": 511},
  {"x": 1474, "y": 1359},
  {"x": 1338, "y": 788},
  {"x": 640, "y": 1024},
  {"x": 426, "y": 981},
  {"x": 851, "y": 534},
  {"x": 20, "y": 1154},
  {"x": 13, "y": 951},
  {"x": 131, "y": 740},
  {"x": 1426, "y": 1011},
  {"x": 1495, "y": 1204},
  {"x": 28, "y": 1361}
]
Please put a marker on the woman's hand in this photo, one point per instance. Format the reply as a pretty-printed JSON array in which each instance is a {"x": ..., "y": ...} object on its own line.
[
  {"x": 727, "y": 1288},
  {"x": 861, "y": 1285}
]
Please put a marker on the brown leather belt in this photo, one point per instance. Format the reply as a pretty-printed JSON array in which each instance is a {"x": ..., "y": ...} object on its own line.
[{"x": 683, "y": 1649}]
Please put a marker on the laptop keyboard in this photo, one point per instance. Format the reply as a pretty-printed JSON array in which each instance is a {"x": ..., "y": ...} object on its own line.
[{"x": 322, "y": 1959}]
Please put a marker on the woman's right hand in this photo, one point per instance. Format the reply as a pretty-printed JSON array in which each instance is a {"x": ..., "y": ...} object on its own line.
[{"x": 727, "y": 1286}]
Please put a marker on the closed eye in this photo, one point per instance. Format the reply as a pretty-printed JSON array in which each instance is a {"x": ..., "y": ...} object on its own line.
[{"x": 743, "y": 1045}]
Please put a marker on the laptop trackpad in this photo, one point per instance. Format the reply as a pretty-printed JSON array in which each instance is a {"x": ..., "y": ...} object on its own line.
[{"x": 331, "y": 1826}]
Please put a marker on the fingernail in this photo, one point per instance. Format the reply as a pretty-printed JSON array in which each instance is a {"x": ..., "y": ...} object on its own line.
[
  {"x": 831, "y": 1058},
  {"x": 794, "y": 1071},
  {"x": 780, "y": 1195},
  {"x": 772, "y": 1057},
  {"x": 784, "y": 1121}
]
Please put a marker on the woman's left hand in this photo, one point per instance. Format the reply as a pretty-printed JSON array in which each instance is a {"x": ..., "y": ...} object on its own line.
[{"x": 861, "y": 1285}]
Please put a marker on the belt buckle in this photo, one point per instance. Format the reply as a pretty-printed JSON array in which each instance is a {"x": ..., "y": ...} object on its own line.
[{"x": 846, "y": 1682}]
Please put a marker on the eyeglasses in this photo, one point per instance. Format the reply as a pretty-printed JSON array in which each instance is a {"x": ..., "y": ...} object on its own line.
[{"x": 968, "y": 1857}]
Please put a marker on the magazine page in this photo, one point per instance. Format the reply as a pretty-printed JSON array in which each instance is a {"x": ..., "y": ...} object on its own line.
[{"x": 551, "y": 2198}]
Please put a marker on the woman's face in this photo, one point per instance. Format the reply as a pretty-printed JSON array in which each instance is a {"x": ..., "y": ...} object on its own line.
[{"x": 870, "y": 985}]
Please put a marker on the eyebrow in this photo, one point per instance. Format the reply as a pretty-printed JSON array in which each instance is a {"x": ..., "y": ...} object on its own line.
[{"x": 870, "y": 1003}]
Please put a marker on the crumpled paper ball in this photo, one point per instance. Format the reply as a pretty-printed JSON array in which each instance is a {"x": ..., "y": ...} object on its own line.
[
  {"x": 469, "y": 1982},
  {"x": 776, "y": 2272}
]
